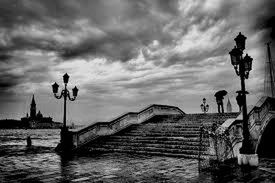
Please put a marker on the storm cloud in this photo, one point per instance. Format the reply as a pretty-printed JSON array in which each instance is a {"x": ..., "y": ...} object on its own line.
[{"x": 130, "y": 53}]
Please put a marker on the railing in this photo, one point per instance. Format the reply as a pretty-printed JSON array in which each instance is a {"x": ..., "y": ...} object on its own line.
[{"x": 93, "y": 131}]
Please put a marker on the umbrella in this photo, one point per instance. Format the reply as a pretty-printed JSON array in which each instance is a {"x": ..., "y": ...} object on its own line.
[{"x": 220, "y": 94}]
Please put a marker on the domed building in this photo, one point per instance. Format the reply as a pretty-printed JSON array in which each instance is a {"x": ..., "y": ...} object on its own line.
[{"x": 36, "y": 120}]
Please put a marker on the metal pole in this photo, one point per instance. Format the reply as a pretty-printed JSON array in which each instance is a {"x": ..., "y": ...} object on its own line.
[
  {"x": 245, "y": 144},
  {"x": 65, "y": 99}
]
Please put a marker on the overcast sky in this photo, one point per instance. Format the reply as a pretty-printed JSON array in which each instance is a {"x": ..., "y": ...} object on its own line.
[{"x": 126, "y": 54}]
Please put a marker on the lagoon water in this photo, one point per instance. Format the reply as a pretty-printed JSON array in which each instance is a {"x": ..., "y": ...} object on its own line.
[{"x": 40, "y": 163}]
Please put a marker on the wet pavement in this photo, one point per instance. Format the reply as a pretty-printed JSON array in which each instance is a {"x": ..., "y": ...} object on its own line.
[
  {"x": 40, "y": 163},
  {"x": 50, "y": 167},
  {"x": 44, "y": 165}
]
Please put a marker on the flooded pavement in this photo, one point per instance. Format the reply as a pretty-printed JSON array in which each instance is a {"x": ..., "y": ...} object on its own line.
[
  {"x": 39, "y": 137},
  {"x": 44, "y": 166},
  {"x": 50, "y": 167},
  {"x": 40, "y": 163}
]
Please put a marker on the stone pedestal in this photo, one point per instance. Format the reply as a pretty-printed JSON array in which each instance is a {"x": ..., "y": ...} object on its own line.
[
  {"x": 251, "y": 160},
  {"x": 64, "y": 135},
  {"x": 65, "y": 144}
]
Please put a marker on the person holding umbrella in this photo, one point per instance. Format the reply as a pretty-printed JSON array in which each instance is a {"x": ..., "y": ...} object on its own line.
[{"x": 219, "y": 99}]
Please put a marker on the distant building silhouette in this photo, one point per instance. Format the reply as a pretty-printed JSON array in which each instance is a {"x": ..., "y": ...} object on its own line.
[
  {"x": 229, "y": 106},
  {"x": 36, "y": 120},
  {"x": 33, "y": 108}
]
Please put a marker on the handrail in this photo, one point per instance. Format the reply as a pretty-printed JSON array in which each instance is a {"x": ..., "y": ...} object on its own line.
[{"x": 95, "y": 130}]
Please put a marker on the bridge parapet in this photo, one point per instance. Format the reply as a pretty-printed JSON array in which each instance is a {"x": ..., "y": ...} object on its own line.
[
  {"x": 93, "y": 131},
  {"x": 259, "y": 116},
  {"x": 258, "y": 112}
]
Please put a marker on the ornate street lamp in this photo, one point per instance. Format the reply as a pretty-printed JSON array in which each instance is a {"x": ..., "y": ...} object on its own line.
[
  {"x": 65, "y": 94},
  {"x": 242, "y": 67},
  {"x": 204, "y": 107}
]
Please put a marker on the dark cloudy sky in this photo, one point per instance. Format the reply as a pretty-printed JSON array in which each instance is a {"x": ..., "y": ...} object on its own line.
[{"x": 126, "y": 54}]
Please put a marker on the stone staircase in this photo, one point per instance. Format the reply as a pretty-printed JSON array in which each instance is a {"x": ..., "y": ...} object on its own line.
[{"x": 169, "y": 135}]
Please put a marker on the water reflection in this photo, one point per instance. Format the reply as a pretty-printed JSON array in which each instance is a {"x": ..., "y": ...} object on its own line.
[
  {"x": 119, "y": 167},
  {"x": 41, "y": 164},
  {"x": 40, "y": 137}
]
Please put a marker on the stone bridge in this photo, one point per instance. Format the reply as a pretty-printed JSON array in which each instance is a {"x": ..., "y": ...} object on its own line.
[
  {"x": 81, "y": 137},
  {"x": 261, "y": 125},
  {"x": 184, "y": 129}
]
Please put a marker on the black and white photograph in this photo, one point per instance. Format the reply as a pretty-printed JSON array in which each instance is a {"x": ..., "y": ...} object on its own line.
[{"x": 137, "y": 91}]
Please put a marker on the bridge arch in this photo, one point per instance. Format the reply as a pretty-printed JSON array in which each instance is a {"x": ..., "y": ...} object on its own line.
[{"x": 266, "y": 142}]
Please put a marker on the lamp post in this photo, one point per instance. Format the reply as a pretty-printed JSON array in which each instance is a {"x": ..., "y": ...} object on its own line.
[
  {"x": 65, "y": 94},
  {"x": 242, "y": 66},
  {"x": 204, "y": 107}
]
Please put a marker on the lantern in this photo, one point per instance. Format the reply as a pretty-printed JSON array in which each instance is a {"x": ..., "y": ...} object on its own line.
[
  {"x": 240, "y": 41},
  {"x": 75, "y": 90},
  {"x": 66, "y": 78},
  {"x": 247, "y": 63},
  {"x": 236, "y": 56},
  {"x": 55, "y": 88}
]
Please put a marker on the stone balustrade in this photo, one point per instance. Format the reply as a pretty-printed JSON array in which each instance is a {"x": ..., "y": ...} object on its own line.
[
  {"x": 93, "y": 131},
  {"x": 259, "y": 116}
]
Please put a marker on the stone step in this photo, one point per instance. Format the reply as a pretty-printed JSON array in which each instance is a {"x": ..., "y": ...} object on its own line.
[
  {"x": 148, "y": 149},
  {"x": 174, "y": 125},
  {"x": 171, "y": 124},
  {"x": 145, "y": 145},
  {"x": 141, "y": 141},
  {"x": 159, "y": 134},
  {"x": 167, "y": 128},
  {"x": 179, "y": 155},
  {"x": 165, "y": 131},
  {"x": 191, "y": 139},
  {"x": 160, "y": 128},
  {"x": 171, "y": 128}
]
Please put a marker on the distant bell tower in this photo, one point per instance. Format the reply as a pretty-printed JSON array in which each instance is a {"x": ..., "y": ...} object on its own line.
[
  {"x": 229, "y": 106},
  {"x": 33, "y": 108}
]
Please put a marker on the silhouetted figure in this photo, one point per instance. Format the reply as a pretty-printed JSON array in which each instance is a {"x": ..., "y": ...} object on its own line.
[
  {"x": 219, "y": 99},
  {"x": 29, "y": 141},
  {"x": 220, "y": 104},
  {"x": 239, "y": 99}
]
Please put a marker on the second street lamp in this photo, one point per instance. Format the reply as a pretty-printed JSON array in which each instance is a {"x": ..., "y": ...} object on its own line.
[
  {"x": 204, "y": 107},
  {"x": 242, "y": 67}
]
